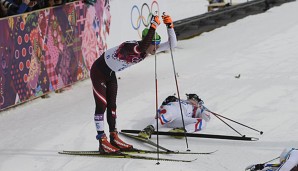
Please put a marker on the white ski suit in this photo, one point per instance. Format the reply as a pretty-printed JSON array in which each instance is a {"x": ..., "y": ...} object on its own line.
[
  {"x": 289, "y": 162},
  {"x": 195, "y": 118}
]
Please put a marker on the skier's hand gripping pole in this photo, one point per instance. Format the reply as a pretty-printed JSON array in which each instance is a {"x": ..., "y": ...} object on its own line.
[{"x": 167, "y": 20}]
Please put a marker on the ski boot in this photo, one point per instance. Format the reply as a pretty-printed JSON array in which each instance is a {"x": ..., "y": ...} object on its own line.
[
  {"x": 146, "y": 132},
  {"x": 177, "y": 130},
  {"x": 117, "y": 142},
  {"x": 104, "y": 146}
]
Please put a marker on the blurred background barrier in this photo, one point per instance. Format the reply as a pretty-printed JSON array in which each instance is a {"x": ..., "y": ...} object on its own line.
[{"x": 193, "y": 26}]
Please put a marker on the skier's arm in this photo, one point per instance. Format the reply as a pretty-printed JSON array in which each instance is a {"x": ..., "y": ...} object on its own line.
[
  {"x": 194, "y": 124},
  {"x": 144, "y": 44},
  {"x": 172, "y": 39},
  {"x": 206, "y": 115},
  {"x": 203, "y": 113}
]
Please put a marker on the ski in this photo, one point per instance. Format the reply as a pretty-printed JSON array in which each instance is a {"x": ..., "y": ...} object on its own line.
[
  {"x": 141, "y": 151},
  {"x": 147, "y": 141},
  {"x": 227, "y": 137},
  {"x": 120, "y": 155}
]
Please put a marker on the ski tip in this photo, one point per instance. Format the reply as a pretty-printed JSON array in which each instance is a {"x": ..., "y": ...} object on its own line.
[
  {"x": 213, "y": 151},
  {"x": 194, "y": 160},
  {"x": 177, "y": 160},
  {"x": 254, "y": 139},
  {"x": 199, "y": 153},
  {"x": 209, "y": 152}
]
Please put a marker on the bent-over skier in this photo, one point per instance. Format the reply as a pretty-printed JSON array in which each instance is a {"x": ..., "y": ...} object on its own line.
[{"x": 104, "y": 81}]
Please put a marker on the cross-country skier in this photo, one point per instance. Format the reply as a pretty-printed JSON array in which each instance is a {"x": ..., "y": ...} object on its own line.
[
  {"x": 194, "y": 113},
  {"x": 288, "y": 162},
  {"x": 104, "y": 81}
]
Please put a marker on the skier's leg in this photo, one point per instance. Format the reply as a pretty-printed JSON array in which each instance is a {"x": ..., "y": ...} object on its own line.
[
  {"x": 112, "y": 88},
  {"x": 166, "y": 116},
  {"x": 197, "y": 125},
  {"x": 99, "y": 91},
  {"x": 191, "y": 124}
]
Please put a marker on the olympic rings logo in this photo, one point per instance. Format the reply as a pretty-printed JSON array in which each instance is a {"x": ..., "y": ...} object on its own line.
[{"x": 142, "y": 17}]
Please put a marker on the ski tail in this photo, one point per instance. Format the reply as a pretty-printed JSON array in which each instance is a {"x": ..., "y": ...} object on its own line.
[{"x": 147, "y": 141}]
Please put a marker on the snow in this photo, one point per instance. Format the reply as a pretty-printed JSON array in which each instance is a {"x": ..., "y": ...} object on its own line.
[{"x": 261, "y": 48}]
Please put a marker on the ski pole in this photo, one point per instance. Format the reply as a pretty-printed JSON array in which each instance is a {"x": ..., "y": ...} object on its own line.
[
  {"x": 156, "y": 99},
  {"x": 271, "y": 160},
  {"x": 228, "y": 125},
  {"x": 177, "y": 88},
  {"x": 266, "y": 164},
  {"x": 261, "y": 132}
]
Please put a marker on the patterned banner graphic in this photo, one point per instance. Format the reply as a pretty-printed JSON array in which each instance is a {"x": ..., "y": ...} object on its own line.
[{"x": 49, "y": 49}]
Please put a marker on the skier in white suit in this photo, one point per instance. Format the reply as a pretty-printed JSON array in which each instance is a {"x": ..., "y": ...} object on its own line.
[
  {"x": 288, "y": 162},
  {"x": 194, "y": 113}
]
